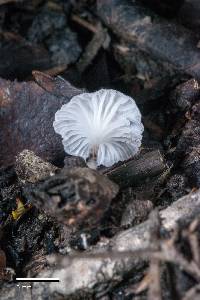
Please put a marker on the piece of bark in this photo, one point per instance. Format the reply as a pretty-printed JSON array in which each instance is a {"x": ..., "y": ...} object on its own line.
[
  {"x": 136, "y": 212},
  {"x": 87, "y": 273},
  {"x": 188, "y": 147},
  {"x": 74, "y": 161},
  {"x": 177, "y": 186},
  {"x": 31, "y": 168},
  {"x": 64, "y": 47},
  {"x": 162, "y": 40},
  {"x": 78, "y": 196},
  {"x": 2, "y": 262},
  {"x": 56, "y": 86},
  {"x": 46, "y": 22},
  {"x": 138, "y": 237},
  {"x": 138, "y": 170},
  {"x": 26, "y": 117},
  {"x": 49, "y": 26},
  {"x": 185, "y": 94}
]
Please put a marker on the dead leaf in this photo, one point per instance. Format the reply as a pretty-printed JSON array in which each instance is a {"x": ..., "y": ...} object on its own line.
[{"x": 26, "y": 116}]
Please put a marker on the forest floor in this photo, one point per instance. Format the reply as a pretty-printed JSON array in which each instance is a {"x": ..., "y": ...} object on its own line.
[{"x": 137, "y": 234}]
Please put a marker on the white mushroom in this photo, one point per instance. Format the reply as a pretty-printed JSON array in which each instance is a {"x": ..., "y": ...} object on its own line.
[{"x": 103, "y": 127}]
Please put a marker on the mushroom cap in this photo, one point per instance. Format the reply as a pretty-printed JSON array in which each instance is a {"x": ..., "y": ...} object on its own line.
[{"x": 106, "y": 122}]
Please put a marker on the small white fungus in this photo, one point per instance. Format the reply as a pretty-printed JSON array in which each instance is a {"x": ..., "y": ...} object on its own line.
[{"x": 103, "y": 127}]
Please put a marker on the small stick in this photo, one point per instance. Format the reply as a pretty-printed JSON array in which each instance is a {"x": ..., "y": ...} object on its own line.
[
  {"x": 84, "y": 23},
  {"x": 55, "y": 70}
]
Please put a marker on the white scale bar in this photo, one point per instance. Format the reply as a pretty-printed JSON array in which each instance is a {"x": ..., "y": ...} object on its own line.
[{"x": 37, "y": 279}]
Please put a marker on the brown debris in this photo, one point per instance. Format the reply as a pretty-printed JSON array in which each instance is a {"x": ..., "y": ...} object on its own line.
[
  {"x": 74, "y": 161},
  {"x": 26, "y": 116},
  {"x": 138, "y": 237},
  {"x": 138, "y": 170},
  {"x": 185, "y": 94},
  {"x": 188, "y": 146},
  {"x": 57, "y": 86},
  {"x": 141, "y": 242},
  {"x": 162, "y": 40},
  {"x": 2, "y": 262},
  {"x": 136, "y": 212},
  {"x": 31, "y": 168},
  {"x": 90, "y": 271},
  {"x": 75, "y": 196}
]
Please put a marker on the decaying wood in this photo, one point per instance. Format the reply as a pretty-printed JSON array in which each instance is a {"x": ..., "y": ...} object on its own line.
[
  {"x": 138, "y": 237},
  {"x": 185, "y": 94},
  {"x": 74, "y": 161},
  {"x": 138, "y": 170},
  {"x": 135, "y": 212},
  {"x": 57, "y": 86},
  {"x": 74, "y": 196},
  {"x": 27, "y": 111},
  {"x": 88, "y": 272},
  {"x": 31, "y": 168},
  {"x": 188, "y": 146},
  {"x": 161, "y": 39}
]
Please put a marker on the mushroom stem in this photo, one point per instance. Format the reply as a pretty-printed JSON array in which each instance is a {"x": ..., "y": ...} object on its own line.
[{"x": 92, "y": 161}]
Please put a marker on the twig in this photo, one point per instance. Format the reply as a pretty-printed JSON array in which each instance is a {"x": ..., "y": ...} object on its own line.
[
  {"x": 84, "y": 23},
  {"x": 154, "y": 290},
  {"x": 92, "y": 48},
  {"x": 194, "y": 241},
  {"x": 56, "y": 70}
]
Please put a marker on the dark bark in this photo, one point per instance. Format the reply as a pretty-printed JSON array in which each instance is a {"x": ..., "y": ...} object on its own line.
[
  {"x": 163, "y": 40},
  {"x": 138, "y": 170},
  {"x": 27, "y": 113}
]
